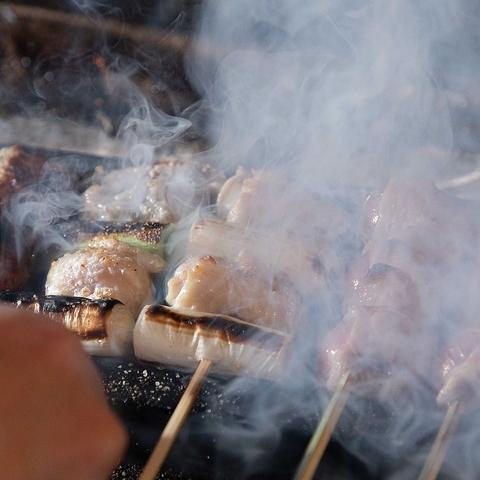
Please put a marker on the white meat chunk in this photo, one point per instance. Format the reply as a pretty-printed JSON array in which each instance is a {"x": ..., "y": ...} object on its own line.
[
  {"x": 163, "y": 192},
  {"x": 213, "y": 285},
  {"x": 268, "y": 200},
  {"x": 106, "y": 269}
]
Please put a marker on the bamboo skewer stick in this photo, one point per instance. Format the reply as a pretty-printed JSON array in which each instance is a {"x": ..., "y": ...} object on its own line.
[
  {"x": 175, "y": 423},
  {"x": 439, "y": 448},
  {"x": 319, "y": 441}
]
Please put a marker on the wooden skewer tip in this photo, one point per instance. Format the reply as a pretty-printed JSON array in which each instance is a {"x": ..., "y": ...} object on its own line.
[
  {"x": 438, "y": 451},
  {"x": 175, "y": 423},
  {"x": 319, "y": 441}
]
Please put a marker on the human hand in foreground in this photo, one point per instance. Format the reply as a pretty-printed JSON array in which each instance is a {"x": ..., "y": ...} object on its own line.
[{"x": 55, "y": 422}]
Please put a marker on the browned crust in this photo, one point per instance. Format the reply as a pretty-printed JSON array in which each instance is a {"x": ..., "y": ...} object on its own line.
[
  {"x": 228, "y": 329},
  {"x": 84, "y": 316}
]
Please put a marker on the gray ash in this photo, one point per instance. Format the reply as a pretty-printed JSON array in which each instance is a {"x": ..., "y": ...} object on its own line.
[
  {"x": 132, "y": 472},
  {"x": 142, "y": 387}
]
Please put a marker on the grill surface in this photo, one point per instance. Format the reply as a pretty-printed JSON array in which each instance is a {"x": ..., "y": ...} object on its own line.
[{"x": 220, "y": 439}]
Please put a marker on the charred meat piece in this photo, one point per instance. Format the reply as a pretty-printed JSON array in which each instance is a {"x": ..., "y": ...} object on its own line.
[
  {"x": 163, "y": 192},
  {"x": 214, "y": 285},
  {"x": 106, "y": 268},
  {"x": 105, "y": 327},
  {"x": 184, "y": 337},
  {"x": 17, "y": 169}
]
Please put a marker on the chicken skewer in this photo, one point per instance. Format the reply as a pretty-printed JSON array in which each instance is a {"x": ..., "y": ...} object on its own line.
[
  {"x": 461, "y": 374},
  {"x": 230, "y": 345},
  {"x": 97, "y": 290},
  {"x": 224, "y": 277},
  {"x": 385, "y": 298},
  {"x": 348, "y": 369},
  {"x": 114, "y": 265},
  {"x": 184, "y": 336}
]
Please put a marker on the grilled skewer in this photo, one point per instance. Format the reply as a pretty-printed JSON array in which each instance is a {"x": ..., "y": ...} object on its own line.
[
  {"x": 461, "y": 379},
  {"x": 166, "y": 191},
  {"x": 225, "y": 276},
  {"x": 184, "y": 338},
  {"x": 390, "y": 292},
  {"x": 240, "y": 288},
  {"x": 105, "y": 327},
  {"x": 109, "y": 266},
  {"x": 189, "y": 338}
]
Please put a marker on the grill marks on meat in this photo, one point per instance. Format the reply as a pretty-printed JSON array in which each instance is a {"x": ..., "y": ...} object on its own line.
[
  {"x": 184, "y": 337},
  {"x": 164, "y": 192},
  {"x": 105, "y": 327},
  {"x": 250, "y": 263}
]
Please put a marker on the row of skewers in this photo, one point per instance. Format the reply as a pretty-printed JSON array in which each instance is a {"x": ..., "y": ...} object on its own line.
[
  {"x": 235, "y": 303},
  {"x": 420, "y": 242}
]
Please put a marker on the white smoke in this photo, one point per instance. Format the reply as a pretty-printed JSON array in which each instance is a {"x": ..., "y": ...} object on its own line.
[
  {"x": 346, "y": 91},
  {"x": 340, "y": 96}
]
